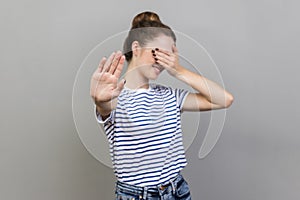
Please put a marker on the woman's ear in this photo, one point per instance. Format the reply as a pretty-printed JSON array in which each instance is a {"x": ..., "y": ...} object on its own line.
[{"x": 135, "y": 47}]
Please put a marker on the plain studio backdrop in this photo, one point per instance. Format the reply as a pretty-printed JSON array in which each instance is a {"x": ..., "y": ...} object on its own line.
[{"x": 255, "y": 45}]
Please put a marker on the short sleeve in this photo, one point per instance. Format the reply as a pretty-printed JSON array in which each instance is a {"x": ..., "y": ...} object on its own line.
[
  {"x": 99, "y": 119},
  {"x": 180, "y": 95}
]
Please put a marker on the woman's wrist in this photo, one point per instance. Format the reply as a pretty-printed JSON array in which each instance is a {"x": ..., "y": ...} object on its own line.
[
  {"x": 106, "y": 107},
  {"x": 181, "y": 73}
]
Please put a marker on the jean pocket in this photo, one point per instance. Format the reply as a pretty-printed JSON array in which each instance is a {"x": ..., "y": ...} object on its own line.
[
  {"x": 183, "y": 191},
  {"x": 125, "y": 196}
]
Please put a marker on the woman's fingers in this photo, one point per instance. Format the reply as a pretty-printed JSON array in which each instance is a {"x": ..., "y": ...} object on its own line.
[
  {"x": 101, "y": 64},
  {"x": 108, "y": 62},
  {"x": 163, "y": 64},
  {"x": 163, "y": 51},
  {"x": 169, "y": 60},
  {"x": 166, "y": 59},
  {"x": 115, "y": 62},
  {"x": 119, "y": 68}
]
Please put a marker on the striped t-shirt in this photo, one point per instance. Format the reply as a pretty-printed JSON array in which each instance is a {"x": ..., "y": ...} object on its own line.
[{"x": 145, "y": 136}]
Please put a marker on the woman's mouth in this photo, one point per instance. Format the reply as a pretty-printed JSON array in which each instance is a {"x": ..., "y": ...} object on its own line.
[{"x": 158, "y": 66}]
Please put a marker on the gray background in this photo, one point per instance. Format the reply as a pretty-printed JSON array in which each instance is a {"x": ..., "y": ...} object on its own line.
[{"x": 254, "y": 43}]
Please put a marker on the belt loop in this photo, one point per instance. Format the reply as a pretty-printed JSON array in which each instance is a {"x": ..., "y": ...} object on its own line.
[
  {"x": 173, "y": 187},
  {"x": 145, "y": 193}
]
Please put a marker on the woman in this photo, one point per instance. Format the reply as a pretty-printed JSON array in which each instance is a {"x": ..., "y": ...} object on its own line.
[{"x": 142, "y": 120}]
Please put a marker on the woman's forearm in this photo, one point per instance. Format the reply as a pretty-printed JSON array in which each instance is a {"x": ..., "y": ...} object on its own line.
[{"x": 211, "y": 90}]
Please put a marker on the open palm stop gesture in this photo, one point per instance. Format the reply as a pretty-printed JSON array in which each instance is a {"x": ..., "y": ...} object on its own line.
[{"x": 105, "y": 85}]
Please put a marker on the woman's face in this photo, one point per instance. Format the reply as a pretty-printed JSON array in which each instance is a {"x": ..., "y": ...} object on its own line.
[{"x": 146, "y": 62}]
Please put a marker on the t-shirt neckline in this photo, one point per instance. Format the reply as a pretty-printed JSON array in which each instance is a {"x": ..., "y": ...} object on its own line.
[{"x": 139, "y": 89}]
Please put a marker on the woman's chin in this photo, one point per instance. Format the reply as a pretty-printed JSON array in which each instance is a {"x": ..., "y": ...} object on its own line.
[{"x": 155, "y": 74}]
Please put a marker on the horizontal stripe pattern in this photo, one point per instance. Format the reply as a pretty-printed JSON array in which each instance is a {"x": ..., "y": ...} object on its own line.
[{"x": 145, "y": 136}]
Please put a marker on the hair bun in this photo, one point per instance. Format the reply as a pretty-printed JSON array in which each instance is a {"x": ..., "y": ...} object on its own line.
[
  {"x": 145, "y": 19},
  {"x": 147, "y": 26}
]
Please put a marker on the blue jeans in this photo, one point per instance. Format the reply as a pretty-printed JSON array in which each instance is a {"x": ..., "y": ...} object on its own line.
[{"x": 176, "y": 189}]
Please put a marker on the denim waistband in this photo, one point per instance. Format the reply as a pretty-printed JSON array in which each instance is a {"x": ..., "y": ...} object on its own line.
[{"x": 142, "y": 191}]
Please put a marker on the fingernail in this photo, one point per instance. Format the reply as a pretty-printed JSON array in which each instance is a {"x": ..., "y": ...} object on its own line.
[
  {"x": 155, "y": 58},
  {"x": 124, "y": 81},
  {"x": 156, "y": 49},
  {"x": 154, "y": 54},
  {"x": 152, "y": 51}
]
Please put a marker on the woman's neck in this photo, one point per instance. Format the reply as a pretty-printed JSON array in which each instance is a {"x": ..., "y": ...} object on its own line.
[{"x": 135, "y": 79}]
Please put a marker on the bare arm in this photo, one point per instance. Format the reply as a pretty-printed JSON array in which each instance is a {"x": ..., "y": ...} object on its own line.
[{"x": 209, "y": 94}]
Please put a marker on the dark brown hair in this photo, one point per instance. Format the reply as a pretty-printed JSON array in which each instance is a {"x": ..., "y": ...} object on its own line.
[{"x": 144, "y": 28}]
